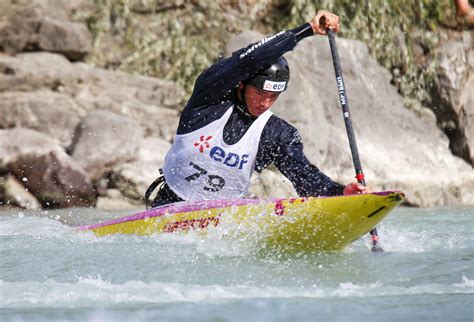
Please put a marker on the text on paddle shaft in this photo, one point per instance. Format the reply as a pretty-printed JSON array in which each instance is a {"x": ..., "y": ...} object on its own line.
[
  {"x": 214, "y": 182},
  {"x": 340, "y": 87}
]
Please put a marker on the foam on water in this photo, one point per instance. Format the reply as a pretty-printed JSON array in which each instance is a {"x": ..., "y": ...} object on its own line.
[
  {"x": 408, "y": 237},
  {"x": 87, "y": 292},
  {"x": 47, "y": 265}
]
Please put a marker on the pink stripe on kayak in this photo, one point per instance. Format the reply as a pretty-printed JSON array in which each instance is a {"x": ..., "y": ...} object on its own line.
[
  {"x": 178, "y": 208},
  {"x": 384, "y": 193},
  {"x": 190, "y": 206}
]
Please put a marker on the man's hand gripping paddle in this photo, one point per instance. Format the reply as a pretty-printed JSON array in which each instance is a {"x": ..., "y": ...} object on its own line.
[{"x": 350, "y": 131}]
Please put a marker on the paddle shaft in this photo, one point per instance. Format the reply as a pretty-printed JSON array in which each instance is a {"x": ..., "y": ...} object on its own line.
[{"x": 347, "y": 119}]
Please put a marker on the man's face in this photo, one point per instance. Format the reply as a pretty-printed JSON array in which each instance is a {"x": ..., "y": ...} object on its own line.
[{"x": 258, "y": 100}]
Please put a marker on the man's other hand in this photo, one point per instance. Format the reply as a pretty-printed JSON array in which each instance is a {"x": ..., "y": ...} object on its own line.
[
  {"x": 324, "y": 20},
  {"x": 355, "y": 188}
]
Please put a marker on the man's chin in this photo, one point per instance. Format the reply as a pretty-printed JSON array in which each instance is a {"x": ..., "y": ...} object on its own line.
[{"x": 257, "y": 112}]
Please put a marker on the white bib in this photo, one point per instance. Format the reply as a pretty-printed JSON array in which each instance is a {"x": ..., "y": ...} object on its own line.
[{"x": 200, "y": 166}]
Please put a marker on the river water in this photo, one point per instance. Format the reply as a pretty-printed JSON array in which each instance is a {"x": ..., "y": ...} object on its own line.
[{"x": 50, "y": 272}]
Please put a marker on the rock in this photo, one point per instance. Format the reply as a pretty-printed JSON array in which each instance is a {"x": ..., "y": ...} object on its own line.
[
  {"x": 33, "y": 71},
  {"x": 452, "y": 94},
  {"x": 398, "y": 149},
  {"x": 12, "y": 192},
  {"x": 48, "y": 93},
  {"x": 153, "y": 103},
  {"x": 466, "y": 121},
  {"x": 155, "y": 120},
  {"x": 153, "y": 149},
  {"x": 148, "y": 90},
  {"x": 42, "y": 25},
  {"x": 51, "y": 175},
  {"x": 72, "y": 40},
  {"x": 104, "y": 140},
  {"x": 132, "y": 179},
  {"x": 114, "y": 200},
  {"x": 51, "y": 113},
  {"x": 105, "y": 203},
  {"x": 271, "y": 184}
]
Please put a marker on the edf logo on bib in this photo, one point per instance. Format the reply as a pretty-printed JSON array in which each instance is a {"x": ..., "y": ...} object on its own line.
[
  {"x": 218, "y": 154},
  {"x": 230, "y": 159}
]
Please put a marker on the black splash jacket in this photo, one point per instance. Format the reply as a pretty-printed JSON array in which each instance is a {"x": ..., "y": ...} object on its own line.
[{"x": 280, "y": 143}]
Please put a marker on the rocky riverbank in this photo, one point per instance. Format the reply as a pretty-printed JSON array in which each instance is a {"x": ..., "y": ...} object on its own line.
[{"x": 73, "y": 135}]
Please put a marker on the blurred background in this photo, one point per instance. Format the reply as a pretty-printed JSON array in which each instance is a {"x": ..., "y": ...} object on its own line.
[{"x": 91, "y": 92}]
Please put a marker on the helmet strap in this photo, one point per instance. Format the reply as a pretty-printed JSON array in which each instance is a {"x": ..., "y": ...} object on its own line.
[{"x": 243, "y": 106}]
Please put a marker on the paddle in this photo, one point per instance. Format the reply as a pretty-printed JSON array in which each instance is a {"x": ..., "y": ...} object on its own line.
[{"x": 350, "y": 131}]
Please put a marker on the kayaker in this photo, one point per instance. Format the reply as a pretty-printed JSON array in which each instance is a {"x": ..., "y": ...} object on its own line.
[{"x": 226, "y": 130}]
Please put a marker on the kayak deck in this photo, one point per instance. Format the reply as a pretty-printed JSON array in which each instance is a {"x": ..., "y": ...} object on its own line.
[{"x": 296, "y": 224}]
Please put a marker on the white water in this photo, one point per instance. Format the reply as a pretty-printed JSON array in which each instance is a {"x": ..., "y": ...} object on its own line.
[{"x": 48, "y": 271}]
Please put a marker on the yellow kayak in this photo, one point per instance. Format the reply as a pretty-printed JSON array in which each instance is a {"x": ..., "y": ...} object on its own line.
[{"x": 295, "y": 225}]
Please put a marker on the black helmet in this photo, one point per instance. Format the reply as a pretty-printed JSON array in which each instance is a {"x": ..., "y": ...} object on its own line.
[{"x": 274, "y": 78}]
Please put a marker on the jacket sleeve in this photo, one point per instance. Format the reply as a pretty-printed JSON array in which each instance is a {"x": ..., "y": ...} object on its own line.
[
  {"x": 219, "y": 80},
  {"x": 281, "y": 144}
]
